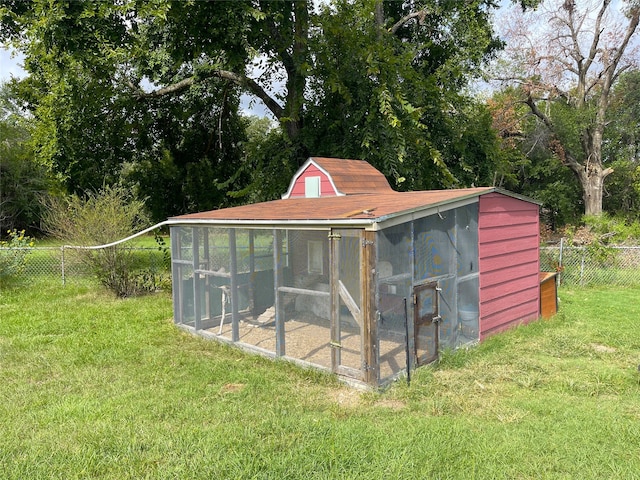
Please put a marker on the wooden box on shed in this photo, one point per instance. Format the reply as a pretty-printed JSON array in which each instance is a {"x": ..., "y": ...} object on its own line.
[{"x": 548, "y": 294}]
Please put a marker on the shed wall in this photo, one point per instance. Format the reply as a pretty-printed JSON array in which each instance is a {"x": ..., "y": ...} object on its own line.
[
  {"x": 326, "y": 188},
  {"x": 508, "y": 237}
]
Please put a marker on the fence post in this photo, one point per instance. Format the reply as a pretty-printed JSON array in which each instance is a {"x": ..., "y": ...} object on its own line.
[
  {"x": 62, "y": 264},
  {"x": 582, "y": 267},
  {"x": 560, "y": 261}
]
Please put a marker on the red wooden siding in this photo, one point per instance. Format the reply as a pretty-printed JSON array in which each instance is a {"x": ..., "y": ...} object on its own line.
[
  {"x": 508, "y": 236},
  {"x": 326, "y": 189}
]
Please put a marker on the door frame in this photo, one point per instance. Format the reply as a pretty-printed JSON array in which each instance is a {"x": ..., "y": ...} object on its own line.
[
  {"x": 429, "y": 319},
  {"x": 364, "y": 313}
]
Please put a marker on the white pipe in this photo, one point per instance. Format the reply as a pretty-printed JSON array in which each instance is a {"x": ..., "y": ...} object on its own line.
[{"x": 112, "y": 244}]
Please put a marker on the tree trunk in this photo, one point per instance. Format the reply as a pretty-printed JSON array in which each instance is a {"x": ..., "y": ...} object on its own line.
[
  {"x": 592, "y": 194},
  {"x": 592, "y": 181},
  {"x": 296, "y": 78}
]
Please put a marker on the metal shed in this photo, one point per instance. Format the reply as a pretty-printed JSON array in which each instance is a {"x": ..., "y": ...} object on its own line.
[{"x": 345, "y": 274}]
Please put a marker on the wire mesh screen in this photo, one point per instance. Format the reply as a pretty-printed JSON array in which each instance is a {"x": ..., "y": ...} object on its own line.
[
  {"x": 394, "y": 275},
  {"x": 441, "y": 248},
  {"x": 434, "y": 245},
  {"x": 245, "y": 281},
  {"x": 467, "y": 240},
  {"x": 304, "y": 295}
]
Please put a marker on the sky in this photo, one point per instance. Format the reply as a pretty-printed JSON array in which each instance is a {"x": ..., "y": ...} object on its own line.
[{"x": 9, "y": 65}]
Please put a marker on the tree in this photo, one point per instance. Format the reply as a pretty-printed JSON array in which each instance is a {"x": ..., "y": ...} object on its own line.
[
  {"x": 567, "y": 70},
  {"x": 23, "y": 181},
  {"x": 110, "y": 82},
  {"x": 397, "y": 101},
  {"x": 530, "y": 167},
  {"x": 622, "y": 148}
]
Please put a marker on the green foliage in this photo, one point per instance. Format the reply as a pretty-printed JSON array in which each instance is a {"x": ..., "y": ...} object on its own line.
[
  {"x": 614, "y": 230},
  {"x": 23, "y": 180},
  {"x": 532, "y": 168},
  {"x": 622, "y": 148},
  {"x": 13, "y": 254},
  {"x": 397, "y": 102},
  {"x": 544, "y": 179},
  {"x": 102, "y": 218},
  {"x": 267, "y": 167}
]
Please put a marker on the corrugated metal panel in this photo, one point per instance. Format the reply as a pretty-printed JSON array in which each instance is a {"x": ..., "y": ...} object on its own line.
[{"x": 508, "y": 236}]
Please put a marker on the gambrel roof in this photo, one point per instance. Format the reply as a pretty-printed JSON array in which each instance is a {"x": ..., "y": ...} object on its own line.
[
  {"x": 339, "y": 177},
  {"x": 363, "y": 199}
]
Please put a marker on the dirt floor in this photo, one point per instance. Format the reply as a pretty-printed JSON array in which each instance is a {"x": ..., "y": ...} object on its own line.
[{"x": 307, "y": 337}]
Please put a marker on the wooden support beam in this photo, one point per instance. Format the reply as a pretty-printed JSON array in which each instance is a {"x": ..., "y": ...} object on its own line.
[
  {"x": 277, "y": 284},
  {"x": 368, "y": 310},
  {"x": 304, "y": 291},
  {"x": 252, "y": 270},
  {"x": 207, "y": 278},
  {"x": 176, "y": 275},
  {"x": 334, "y": 316},
  {"x": 196, "y": 276},
  {"x": 235, "y": 320},
  {"x": 351, "y": 304}
]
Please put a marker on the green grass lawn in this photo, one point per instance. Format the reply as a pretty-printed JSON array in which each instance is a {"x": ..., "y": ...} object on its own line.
[{"x": 95, "y": 387}]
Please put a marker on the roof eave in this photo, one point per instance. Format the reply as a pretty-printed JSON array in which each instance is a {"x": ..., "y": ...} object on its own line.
[{"x": 324, "y": 224}]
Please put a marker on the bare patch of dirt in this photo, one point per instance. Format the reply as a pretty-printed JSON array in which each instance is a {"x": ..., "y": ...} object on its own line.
[
  {"x": 602, "y": 348},
  {"x": 391, "y": 404},
  {"x": 232, "y": 387},
  {"x": 346, "y": 397}
]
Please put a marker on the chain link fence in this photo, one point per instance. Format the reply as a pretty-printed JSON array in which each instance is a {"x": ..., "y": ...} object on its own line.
[
  {"x": 592, "y": 265},
  {"x": 577, "y": 266},
  {"x": 68, "y": 263}
]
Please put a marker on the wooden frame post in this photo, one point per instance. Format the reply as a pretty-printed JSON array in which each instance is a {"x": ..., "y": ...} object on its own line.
[
  {"x": 277, "y": 283},
  {"x": 368, "y": 307},
  {"x": 252, "y": 273},
  {"x": 207, "y": 266},
  {"x": 176, "y": 274},
  {"x": 334, "y": 287},
  {"x": 235, "y": 321},
  {"x": 195, "y": 245}
]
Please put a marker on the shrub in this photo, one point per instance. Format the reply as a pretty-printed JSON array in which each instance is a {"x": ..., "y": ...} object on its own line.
[
  {"x": 13, "y": 256},
  {"x": 98, "y": 219},
  {"x": 614, "y": 230}
]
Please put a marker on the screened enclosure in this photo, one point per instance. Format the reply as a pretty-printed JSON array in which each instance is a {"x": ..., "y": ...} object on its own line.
[
  {"x": 357, "y": 302},
  {"x": 271, "y": 290}
]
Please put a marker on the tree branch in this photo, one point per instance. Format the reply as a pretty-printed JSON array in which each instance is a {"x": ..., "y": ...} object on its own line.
[
  {"x": 597, "y": 31},
  {"x": 538, "y": 113},
  {"x": 241, "y": 80},
  {"x": 420, "y": 15}
]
